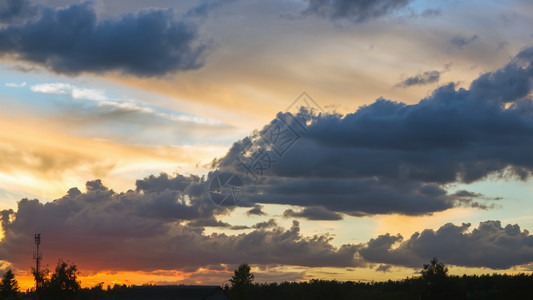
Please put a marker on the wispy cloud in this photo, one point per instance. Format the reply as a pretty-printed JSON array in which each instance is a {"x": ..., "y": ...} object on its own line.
[
  {"x": 126, "y": 105},
  {"x": 355, "y": 11},
  {"x": 68, "y": 89},
  {"x": 421, "y": 79},
  {"x": 461, "y": 41},
  {"x": 16, "y": 85}
]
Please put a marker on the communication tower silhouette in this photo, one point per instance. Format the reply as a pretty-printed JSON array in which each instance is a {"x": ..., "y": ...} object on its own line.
[{"x": 37, "y": 255}]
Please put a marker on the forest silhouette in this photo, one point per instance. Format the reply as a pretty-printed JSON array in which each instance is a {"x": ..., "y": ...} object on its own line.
[{"x": 434, "y": 282}]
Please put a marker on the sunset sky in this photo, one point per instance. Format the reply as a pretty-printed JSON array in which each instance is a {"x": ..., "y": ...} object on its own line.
[{"x": 116, "y": 115}]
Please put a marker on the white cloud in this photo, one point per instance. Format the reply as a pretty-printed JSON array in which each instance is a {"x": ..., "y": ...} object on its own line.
[
  {"x": 68, "y": 89},
  {"x": 16, "y": 85},
  {"x": 91, "y": 94},
  {"x": 52, "y": 88}
]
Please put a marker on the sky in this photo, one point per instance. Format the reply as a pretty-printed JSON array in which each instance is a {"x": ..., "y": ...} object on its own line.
[{"x": 167, "y": 142}]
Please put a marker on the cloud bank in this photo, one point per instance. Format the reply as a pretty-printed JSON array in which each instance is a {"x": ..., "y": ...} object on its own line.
[
  {"x": 72, "y": 40},
  {"x": 390, "y": 157},
  {"x": 489, "y": 246},
  {"x": 144, "y": 230},
  {"x": 152, "y": 228}
]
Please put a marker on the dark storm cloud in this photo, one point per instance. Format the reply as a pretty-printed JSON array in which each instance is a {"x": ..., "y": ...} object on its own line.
[
  {"x": 461, "y": 41},
  {"x": 356, "y": 197},
  {"x": 71, "y": 41},
  {"x": 313, "y": 213},
  {"x": 353, "y": 10},
  {"x": 390, "y": 157},
  {"x": 490, "y": 245},
  {"x": 421, "y": 79},
  {"x": 144, "y": 230},
  {"x": 14, "y": 11}
]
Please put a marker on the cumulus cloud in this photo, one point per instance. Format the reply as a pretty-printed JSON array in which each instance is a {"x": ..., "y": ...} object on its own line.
[
  {"x": 356, "y": 11},
  {"x": 72, "y": 40},
  {"x": 489, "y": 245},
  {"x": 152, "y": 228},
  {"x": 421, "y": 79},
  {"x": 390, "y": 157},
  {"x": 145, "y": 230}
]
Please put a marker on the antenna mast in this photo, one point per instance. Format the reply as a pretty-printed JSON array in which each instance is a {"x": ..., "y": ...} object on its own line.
[{"x": 37, "y": 255}]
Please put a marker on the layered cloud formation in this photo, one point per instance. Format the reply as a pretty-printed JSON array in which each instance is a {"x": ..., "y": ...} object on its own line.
[
  {"x": 389, "y": 157},
  {"x": 152, "y": 228},
  {"x": 146, "y": 230},
  {"x": 385, "y": 158},
  {"x": 73, "y": 40}
]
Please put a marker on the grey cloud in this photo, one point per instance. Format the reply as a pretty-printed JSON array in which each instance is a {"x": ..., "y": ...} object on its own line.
[
  {"x": 14, "y": 11},
  {"x": 384, "y": 268},
  {"x": 256, "y": 210},
  {"x": 421, "y": 79},
  {"x": 268, "y": 224},
  {"x": 90, "y": 228},
  {"x": 153, "y": 183},
  {"x": 204, "y": 8},
  {"x": 146, "y": 228},
  {"x": 212, "y": 222},
  {"x": 431, "y": 13},
  {"x": 490, "y": 245},
  {"x": 353, "y": 10},
  {"x": 390, "y": 157},
  {"x": 467, "y": 199},
  {"x": 71, "y": 41},
  {"x": 461, "y": 41},
  {"x": 313, "y": 213}
]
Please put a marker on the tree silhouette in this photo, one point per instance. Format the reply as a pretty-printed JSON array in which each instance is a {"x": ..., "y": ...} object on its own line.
[
  {"x": 434, "y": 271},
  {"x": 437, "y": 284},
  {"x": 41, "y": 278},
  {"x": 9, "y": 287},
  {"x": 65, "y": 278},
  {"x": 63, "y": 284},
  {"x": 241, "y": 282},
  {"x": 242, "y": 276}
]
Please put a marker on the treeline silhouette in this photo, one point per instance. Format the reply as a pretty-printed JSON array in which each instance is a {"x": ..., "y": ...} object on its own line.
[{"x": 434, "y": 282}]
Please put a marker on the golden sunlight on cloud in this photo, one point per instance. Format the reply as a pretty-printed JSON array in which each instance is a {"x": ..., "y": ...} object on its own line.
[
  {"x": 39, "y": 163},
  {"x": 407, "y": 225}
]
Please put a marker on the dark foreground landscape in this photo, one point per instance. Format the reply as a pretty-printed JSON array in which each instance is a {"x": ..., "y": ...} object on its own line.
[{"x": 433, "y": 283}]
